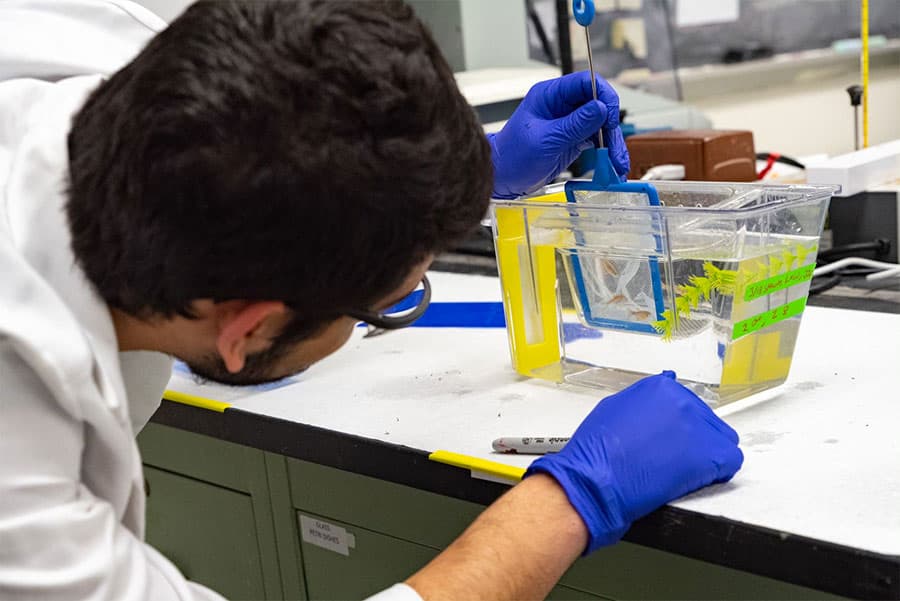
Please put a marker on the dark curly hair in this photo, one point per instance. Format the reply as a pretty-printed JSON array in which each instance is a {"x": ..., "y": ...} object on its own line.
[{"x": 311, "y": 152}]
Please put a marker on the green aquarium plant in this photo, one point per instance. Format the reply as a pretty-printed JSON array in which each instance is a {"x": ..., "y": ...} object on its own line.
[{"x": 727, "y": 282}]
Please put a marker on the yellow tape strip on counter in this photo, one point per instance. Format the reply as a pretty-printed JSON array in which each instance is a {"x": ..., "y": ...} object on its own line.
[
  {"x": 475, "y": 464},
  {"x": 195, "y": 401}
]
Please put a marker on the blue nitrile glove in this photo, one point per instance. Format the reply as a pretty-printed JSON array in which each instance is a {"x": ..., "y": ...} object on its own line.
[
  {"x": 638, "y": 449},
  {"x": 555, "y": 122}
]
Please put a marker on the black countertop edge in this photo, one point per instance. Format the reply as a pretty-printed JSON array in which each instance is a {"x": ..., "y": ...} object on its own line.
[{"x": 798, "y": 560}]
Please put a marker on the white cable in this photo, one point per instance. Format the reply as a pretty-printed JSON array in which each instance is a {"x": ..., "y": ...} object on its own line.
[
  {"x": 883, "y": 275},
  {"x": 859, "y": 262}
]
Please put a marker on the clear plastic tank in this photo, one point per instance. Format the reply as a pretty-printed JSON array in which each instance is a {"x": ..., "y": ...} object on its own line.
[{"x": 711, "y": 284}]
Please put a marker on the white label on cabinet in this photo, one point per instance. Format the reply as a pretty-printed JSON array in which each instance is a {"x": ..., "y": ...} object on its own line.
[{"x": 325, "y": 535}]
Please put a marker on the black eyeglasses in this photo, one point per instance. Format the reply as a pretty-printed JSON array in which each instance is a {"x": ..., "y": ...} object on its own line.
[{"x": 401, "y": 314}]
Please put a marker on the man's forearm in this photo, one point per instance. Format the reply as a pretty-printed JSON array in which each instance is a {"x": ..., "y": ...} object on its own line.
[{"x": 517, "y": 549}]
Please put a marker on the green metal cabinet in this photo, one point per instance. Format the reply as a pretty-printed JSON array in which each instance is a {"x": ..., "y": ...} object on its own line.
[
  {"x": 375, "y": 562},
  {"x": 395, "y": 530},
  {"x": 209, "y": 537},
  {"x": 411, "y": 516},
  {"x": 230, "y": 517},
  {"x": 209, "y": 511}
]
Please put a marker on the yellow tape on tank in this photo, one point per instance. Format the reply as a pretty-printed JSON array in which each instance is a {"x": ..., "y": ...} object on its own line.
[
  {"x": 195, "y": 401},
  {"x": 528, "y": 281}
]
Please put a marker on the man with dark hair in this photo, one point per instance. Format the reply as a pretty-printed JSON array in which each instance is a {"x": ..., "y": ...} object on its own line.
[{"x": 256, "y": 179}]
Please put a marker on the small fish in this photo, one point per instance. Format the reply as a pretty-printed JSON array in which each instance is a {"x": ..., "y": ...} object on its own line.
[
  {"x": 616, "y": 299},
  {"x": 609, "y": 267},
  {"x": 640, "y": 314}
]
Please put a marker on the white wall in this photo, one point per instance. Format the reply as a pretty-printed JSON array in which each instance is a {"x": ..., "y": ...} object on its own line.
[{"x": 807, "y": 116}]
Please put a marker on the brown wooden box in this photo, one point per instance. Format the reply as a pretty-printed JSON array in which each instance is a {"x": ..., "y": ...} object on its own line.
[{"x": 707, "y": 154}]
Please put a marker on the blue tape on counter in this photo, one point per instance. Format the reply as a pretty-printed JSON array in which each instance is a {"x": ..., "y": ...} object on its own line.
[
  {"x": 462, "y": 315},
  {"x": 457, "y": 315},
  {"x": 412, "y": 300},
  {"x": 485, "y": 315}
]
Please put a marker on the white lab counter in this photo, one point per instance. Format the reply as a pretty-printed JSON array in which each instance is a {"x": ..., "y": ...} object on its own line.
[{"x": 822, "y": 451}]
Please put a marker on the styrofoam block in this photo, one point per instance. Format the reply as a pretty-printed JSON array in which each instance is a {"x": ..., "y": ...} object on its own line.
[{"x": 857, "y": 171}]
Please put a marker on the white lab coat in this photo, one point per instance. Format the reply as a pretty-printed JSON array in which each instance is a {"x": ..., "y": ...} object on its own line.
[{"x": 71, "y": 484}]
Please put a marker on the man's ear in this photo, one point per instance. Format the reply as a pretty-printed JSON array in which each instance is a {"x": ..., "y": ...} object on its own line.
[{"x": 240, "y": 332}]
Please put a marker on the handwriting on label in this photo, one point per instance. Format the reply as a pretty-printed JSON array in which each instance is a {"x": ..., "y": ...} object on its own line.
[
  {"x": 758, "y": 322},
  {"x": 778, "y": 282},
  {"x": 325, "y": 535}
]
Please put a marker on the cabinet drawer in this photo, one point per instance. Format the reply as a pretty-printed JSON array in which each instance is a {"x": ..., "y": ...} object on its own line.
[
  {"x": 209, "y": 511},
  {"x": 395, "y": 510},
  {"x": 207, "y": 531},
  {"x": 198, "y": 456},
  {"x": 374, "y": 562}
]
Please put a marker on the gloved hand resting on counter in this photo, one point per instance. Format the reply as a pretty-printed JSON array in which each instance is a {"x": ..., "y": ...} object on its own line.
[
  {"x": 555, "y": 122},
  {"x": 638, "y": 449}
]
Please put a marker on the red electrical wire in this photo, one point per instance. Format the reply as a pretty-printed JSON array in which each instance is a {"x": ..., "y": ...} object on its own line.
[{"x": 770, "y": 162}]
